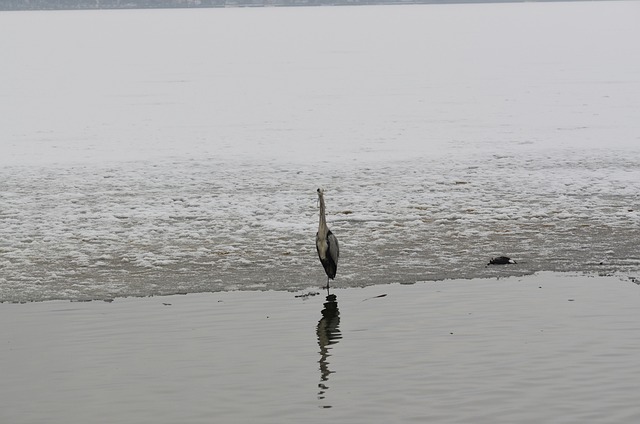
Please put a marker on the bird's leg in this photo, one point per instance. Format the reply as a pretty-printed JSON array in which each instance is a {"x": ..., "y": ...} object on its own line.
[{"x": 327, "y": 286}]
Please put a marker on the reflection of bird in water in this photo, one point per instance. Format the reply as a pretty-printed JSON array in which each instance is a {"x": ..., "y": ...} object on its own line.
[
  {"x": 328, "y": 334},
  {"x": 326, "y": 243}
]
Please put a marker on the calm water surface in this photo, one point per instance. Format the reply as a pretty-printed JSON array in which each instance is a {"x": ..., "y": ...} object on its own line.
[{"x": 537, "y": 349}]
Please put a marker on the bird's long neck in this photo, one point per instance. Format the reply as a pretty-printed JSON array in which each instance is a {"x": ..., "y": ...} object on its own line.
[{"x": 322, "y": 225}]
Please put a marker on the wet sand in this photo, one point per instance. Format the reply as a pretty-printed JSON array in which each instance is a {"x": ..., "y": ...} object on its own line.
[{"x": 544, "y": 348}]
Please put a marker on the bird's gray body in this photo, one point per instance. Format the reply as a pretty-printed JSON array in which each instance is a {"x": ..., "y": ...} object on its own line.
[
  {"x": 328, "y": 252},
  {"x": 326, "y": 243}
]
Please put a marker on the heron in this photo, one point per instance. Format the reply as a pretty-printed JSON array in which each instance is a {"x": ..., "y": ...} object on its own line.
[{"x": 326, "y": 243}]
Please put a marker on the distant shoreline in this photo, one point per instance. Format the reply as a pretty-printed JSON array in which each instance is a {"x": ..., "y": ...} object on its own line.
[{"x": 22, "y": 5}]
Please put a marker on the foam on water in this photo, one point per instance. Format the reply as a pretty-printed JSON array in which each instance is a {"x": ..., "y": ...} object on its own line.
[{"x": 140, "y": 229}]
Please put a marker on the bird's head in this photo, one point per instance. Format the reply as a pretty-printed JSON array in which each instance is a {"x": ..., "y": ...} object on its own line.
[{"x": 320, "y": 195}]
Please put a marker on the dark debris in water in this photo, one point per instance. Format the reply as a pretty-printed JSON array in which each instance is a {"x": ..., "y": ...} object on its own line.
[
  {"x": 501, "y": 260},
  {"x": 375, "y": 297},
  {"x": 307, "y": 295}
]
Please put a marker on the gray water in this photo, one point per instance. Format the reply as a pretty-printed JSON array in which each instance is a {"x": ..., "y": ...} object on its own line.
[
  {"x": 160, "y": 161},
  {"x": 543, "y": 348}
]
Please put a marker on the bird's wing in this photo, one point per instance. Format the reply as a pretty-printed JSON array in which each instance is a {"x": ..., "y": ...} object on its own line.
[{"x": 334, "y": 248}]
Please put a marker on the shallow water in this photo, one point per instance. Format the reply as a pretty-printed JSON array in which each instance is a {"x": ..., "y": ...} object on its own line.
[
  {"x": 545, "y": 348},
  {"x": 157, "y": 162}
]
